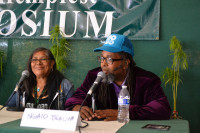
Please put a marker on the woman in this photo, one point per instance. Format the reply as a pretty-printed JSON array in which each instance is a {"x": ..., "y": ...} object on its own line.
[{"x": 45, "y": 87}]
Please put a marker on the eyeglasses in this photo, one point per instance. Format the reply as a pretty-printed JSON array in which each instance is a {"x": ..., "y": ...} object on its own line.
[
  {"x": 109, "y": 60},
  {"x": 40, "y": 60}
]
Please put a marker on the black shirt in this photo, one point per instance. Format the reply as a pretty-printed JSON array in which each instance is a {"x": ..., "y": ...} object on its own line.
[{"x": 43, "y": 103}]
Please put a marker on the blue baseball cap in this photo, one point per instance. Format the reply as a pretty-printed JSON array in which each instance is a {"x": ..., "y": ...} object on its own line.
[{"x": 117, "y": 43}]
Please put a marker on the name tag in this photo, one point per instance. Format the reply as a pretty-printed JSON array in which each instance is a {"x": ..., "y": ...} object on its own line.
[{"x": 52, "y": 119}]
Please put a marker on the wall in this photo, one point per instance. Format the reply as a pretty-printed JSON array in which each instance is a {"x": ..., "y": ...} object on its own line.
[{"x": 178, "y": 17}]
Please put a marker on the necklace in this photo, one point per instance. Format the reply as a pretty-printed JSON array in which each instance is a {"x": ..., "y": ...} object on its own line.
[
  {"x": 38, "y": 89},
  {"x": 37, "y": 99}
]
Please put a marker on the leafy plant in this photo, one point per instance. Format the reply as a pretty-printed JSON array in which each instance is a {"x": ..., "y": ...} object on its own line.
[
  {"x": 172, "y": 75},
  {"x": 59, "y": 48},
  {"x": 1, "y": 62}
]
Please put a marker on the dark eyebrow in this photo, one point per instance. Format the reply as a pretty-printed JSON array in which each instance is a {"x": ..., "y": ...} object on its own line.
[
  {"x": 41, "y": 57},
  {"x": 107, "y": 56}
]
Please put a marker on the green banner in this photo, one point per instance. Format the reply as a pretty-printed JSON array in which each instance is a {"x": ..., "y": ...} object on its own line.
[{"x": 80, "y": 19}]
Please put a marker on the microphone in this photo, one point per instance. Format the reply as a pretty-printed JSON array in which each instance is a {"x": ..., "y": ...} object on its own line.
[
  {"x": 101, "y": 75},
  {"x": 25, "y": 74}
]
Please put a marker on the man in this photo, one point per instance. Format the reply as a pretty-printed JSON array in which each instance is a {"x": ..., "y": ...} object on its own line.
[{"x": 147, "y": 99}]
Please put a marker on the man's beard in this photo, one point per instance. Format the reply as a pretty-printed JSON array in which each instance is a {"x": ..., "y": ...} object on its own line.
[{"x": 109, "y": 78}]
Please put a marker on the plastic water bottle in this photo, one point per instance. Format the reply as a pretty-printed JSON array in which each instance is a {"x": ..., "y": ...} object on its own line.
[{"x": 123, "y": 105}]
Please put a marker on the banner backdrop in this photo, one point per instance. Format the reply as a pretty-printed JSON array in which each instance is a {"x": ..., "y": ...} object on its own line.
[{"x": 80, "y": 19}]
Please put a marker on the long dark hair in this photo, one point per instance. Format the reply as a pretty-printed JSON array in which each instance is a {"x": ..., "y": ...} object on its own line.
[
  {"x": 104, "y": 93},
  {"x": 53, "y": 79}
]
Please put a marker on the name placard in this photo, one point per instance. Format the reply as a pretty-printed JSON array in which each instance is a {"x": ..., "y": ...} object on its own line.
[{"x": 52, "y": 119}]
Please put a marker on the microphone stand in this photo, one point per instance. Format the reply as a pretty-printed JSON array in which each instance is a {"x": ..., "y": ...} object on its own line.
[
  {"x": 83, "y": 102},
  {"x": 17, "y": 108},
  {"x": 92, "y": 94},
  {"x": 8, "y": 100},
  {"x": 93, "y": 102},
  {"x": 94, "y": 108}
]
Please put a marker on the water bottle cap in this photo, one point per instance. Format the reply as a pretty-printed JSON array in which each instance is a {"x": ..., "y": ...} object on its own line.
[{"x": 124, "y": 86}]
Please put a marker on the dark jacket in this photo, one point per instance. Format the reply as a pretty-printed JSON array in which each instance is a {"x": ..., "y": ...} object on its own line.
[
  {"x": 58, "y": 100},
  {"x": 148, "y": 102}
]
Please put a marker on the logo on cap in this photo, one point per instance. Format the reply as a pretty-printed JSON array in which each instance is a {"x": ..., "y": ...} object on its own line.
[{"x": 110, "y": 40}]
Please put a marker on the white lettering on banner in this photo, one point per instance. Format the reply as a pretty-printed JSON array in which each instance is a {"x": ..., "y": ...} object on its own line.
[
  {"x": 19, "y": 2},
  {"x": 46, "y": 23},
  {"x": 48, "y": 3},
  {"x": 91, "y": 18},
  {"x": 34, "y": 1},
  {"x": 62, "y": 23},
  {"x": 29, "y": 22},
  {"x": 13, "y": 21},
  {"x": 95, "y": 25},
  {"x": 81, "y": 1},
  {"x": 8, "y": 1},
  {"x": 72, "y": 1},
  {"x": 93, "y": 1},
  {"x": 52, "y": 119}
]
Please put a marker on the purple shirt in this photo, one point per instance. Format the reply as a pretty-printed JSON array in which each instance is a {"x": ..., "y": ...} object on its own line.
[{"x": 117, "y": 88}]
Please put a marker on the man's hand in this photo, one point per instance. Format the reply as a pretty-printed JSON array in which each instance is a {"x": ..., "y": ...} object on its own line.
[
  {"x": 108, "y": 114},
  {"x": 85, "y": 112}
]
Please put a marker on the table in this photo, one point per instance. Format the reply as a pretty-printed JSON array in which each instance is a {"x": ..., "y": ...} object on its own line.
[
  {"x": 10, "y": 123},
  {"x": 135, "y": 126},
  {"x": 7, "y": 116}
]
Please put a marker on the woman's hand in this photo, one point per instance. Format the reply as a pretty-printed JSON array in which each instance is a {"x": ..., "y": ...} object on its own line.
[
  {"x": 85, "y": 112},
  {"x": 108, "y": 114}
]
